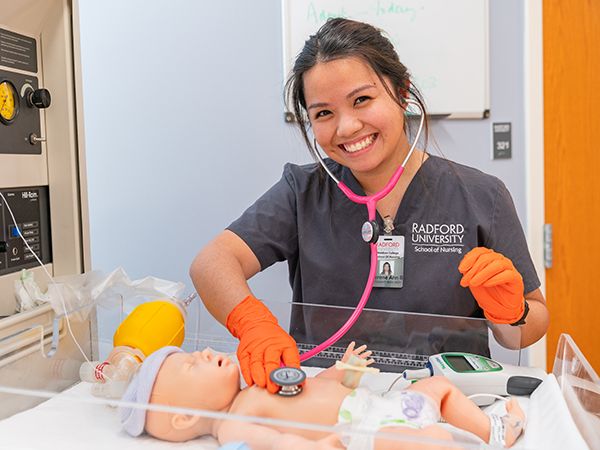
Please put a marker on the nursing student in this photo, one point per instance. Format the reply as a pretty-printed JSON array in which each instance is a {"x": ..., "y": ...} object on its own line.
[{"x": 465, "y": 252}]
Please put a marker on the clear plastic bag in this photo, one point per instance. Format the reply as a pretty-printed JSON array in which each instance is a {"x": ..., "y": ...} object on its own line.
[{"x": 74, "y": 291}]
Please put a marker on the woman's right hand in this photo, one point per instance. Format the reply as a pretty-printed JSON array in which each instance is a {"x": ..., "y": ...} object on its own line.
[
  {"x": 220, "y": 273},
  {"x": 263, "y": 343}
]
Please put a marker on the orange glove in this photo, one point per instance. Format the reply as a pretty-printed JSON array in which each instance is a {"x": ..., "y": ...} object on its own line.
[
  {"x": 495, "y": 283},
  {"x": 263, "y": 343}
]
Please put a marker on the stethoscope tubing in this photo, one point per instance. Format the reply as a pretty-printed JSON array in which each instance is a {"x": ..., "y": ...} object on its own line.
[
  {"x": 352, "y": 319},
  {"x": 371, "y": 202}
]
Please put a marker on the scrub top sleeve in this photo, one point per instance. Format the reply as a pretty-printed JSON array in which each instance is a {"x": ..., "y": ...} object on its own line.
[
  {"x": 507, "y": 237},
  {"x": 269, "y": 226}
]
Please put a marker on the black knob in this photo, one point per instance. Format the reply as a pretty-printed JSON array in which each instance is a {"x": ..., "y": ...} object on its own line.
[
  {"x": 3, "y": 247},
  {"x": 40, "y": 98}
]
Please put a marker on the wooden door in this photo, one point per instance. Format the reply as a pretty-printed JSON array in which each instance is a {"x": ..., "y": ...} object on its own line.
[{"x": 572, "y": 172}]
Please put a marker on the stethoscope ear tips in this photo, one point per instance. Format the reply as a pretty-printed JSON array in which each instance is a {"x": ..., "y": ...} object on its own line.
[{"x": 370, "y": 232}]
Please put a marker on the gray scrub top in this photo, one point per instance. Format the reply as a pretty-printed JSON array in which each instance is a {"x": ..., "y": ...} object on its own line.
[{"x": 447, "y": 210}]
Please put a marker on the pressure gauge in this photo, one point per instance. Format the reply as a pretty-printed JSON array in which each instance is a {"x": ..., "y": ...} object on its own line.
[
  {"x": 289, "y": 378},
  {"x": 9, "y": 102}
]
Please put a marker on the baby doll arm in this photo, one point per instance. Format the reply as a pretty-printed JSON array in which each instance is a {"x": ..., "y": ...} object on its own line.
[
  {"x": 338, "y": 375},
  {"x": 259, "y": 437},
  {"x": 461, "y": 412},
  {"x": 293, "y": 442}
]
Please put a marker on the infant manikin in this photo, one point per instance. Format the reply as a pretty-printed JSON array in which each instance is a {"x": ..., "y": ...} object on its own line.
[{"x": 207, "y": 381}]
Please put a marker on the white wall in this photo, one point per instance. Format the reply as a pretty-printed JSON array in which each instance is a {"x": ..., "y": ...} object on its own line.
[{"x": 185, "y": 129}]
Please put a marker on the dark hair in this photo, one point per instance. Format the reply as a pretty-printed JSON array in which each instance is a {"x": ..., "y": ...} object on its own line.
[{"x": 343, "y": 38}]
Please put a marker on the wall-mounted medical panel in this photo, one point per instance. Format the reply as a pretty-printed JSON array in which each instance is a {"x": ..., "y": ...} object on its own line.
[
  {"x": 29, "y": 238},
  {"x": 43, "y": 207},
  {"x": 42, "y": 158}
]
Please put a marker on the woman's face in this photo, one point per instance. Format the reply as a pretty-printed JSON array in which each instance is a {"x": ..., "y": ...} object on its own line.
[{"x": 354, "y": 119}]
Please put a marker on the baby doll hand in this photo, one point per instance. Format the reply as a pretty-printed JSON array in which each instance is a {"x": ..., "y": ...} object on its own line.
[
  {"x": 359, "y": 352},
  {"x": 495, "y": 283}
]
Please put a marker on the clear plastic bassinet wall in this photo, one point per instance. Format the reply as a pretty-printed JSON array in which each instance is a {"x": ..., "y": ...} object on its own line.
[
  {"x": 43, "y": 362},
  {"x": 580, "y": 386}
]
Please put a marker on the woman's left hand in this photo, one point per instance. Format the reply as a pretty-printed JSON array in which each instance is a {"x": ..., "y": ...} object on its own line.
[{"x": 495, "y": 283}]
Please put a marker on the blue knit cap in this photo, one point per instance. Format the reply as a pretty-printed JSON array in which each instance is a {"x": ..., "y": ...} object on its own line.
[{"x": 134, "y": 419}]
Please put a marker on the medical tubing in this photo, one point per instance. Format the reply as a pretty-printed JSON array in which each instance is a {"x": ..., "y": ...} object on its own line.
[{"x": 66, "y": 313}]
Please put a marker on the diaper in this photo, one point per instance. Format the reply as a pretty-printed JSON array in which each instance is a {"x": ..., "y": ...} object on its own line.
[{"x": 363, "y": 410}]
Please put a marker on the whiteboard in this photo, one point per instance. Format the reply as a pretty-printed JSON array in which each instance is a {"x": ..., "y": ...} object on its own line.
[{"x": 444, "y": 44}]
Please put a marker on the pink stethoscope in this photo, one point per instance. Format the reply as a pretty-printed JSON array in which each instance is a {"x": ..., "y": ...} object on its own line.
[{"x": 370, "y": 233}]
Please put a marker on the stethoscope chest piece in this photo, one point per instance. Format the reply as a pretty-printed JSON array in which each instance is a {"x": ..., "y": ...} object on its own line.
[
  {"x": 289, "y": 379},
  {"x": 370, "y": 232}
]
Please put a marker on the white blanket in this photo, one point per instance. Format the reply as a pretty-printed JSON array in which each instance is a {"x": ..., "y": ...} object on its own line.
[{"x": 68, "y": 422}]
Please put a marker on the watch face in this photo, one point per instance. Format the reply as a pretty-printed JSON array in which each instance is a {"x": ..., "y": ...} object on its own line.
[{"x": 9, "y": 102}]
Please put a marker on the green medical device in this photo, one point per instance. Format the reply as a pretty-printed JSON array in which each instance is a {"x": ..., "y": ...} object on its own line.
[{"x": 479, "y": 376}]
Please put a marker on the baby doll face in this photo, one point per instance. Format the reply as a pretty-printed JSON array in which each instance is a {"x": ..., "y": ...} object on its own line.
[{"x": 197, "y": 380}]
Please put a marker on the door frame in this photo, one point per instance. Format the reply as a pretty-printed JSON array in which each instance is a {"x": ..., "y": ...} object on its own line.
[{"x": 534, "y": 154}]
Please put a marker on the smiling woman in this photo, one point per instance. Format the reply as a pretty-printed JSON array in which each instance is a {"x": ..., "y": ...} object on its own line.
[{"x": 349, "y": 83}]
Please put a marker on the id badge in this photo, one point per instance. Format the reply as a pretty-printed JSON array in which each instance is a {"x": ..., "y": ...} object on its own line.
[{"x": 390, "y": 262}]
